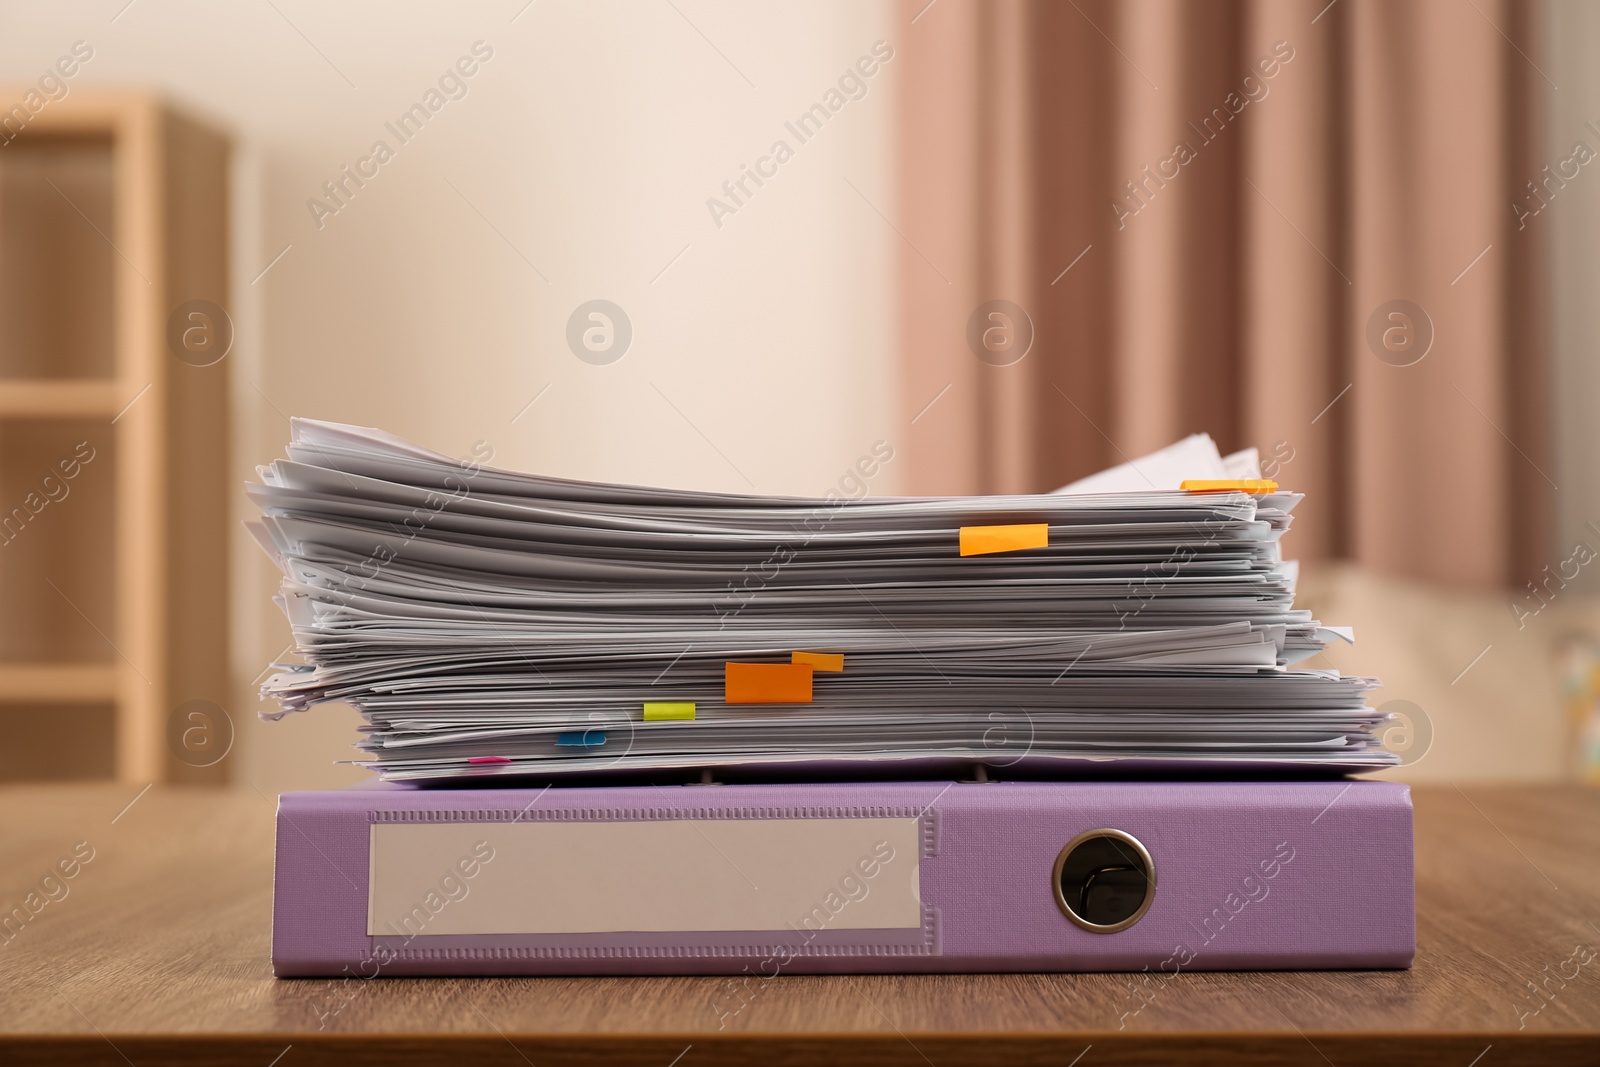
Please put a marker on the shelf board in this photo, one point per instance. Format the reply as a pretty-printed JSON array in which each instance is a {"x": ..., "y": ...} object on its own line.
[
  {"x": 57, "y": 683},
  {"x": 44, "y": 398}
]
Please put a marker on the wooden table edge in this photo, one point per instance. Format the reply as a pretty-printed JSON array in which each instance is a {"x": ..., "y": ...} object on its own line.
[{"x": 1413, "y": 1048}]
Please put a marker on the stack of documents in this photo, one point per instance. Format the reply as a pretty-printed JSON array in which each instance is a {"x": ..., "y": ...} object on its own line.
[{"x": 488, "y": 623}]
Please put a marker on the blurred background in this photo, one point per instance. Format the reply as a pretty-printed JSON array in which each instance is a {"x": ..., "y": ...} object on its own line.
[{"x": 1358, "y": 236}]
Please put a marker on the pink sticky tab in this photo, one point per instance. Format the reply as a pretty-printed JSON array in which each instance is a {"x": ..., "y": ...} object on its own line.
[{"x": 489, "y": 759}]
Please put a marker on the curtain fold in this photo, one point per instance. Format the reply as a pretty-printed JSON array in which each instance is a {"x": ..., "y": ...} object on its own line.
[{"x": 1246, "y": 218}]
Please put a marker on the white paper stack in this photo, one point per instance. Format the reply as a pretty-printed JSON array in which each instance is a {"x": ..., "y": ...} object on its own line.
[{"x": 488, "y": 623}]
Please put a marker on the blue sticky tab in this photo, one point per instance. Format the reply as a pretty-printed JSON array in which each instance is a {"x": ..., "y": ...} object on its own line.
[{"x": 581, "y": 739}]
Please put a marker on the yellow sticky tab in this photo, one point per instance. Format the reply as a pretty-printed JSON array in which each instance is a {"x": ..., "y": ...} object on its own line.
[
  {"x": 826, "y": 662},
  {"x": 982, "y": 540},
  {"x": 1229, "y": 485},
  {"x": 663, "y": 712}
]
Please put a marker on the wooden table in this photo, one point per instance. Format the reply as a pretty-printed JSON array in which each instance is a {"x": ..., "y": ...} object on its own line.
[{"x": 158, "y": 953}]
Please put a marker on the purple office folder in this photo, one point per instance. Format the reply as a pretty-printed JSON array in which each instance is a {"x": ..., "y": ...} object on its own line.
[{"x": 856, "y": 877}]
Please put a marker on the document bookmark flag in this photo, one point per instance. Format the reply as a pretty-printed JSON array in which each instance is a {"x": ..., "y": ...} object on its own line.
[
  {"x": 984, "y": 540},
  {"x": 1256, "y": 486},
  {"x": 767, "y": 683},
  {"x": 666, "y": 712},
  {"x": 824, "y": 662}
]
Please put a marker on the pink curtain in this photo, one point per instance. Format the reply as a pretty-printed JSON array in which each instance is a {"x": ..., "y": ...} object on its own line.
[{"x": 1245, "y": 218}]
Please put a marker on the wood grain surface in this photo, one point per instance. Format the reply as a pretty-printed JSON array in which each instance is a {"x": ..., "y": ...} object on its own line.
[{"x": 156, "y": 951}]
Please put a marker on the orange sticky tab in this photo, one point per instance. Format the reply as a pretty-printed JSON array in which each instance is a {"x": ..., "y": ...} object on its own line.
[
  {"x": 1227, "y": 485},
  {"x": 827, "y": 662},
  {"x": 982, "y": 540},
  {"x": 767, "y": 683}
]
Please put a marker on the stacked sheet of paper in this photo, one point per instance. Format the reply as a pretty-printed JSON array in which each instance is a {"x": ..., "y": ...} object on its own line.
[{"x": 491, "y": 623}]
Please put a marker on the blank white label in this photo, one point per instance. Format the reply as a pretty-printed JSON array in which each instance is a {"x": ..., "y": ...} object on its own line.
[{"x": 678, "y": 875}]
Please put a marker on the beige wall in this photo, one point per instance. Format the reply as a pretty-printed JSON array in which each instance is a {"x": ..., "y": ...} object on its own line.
[
  {"x": 590, "y": 141},
  {"x": 1573, "y": 39}
]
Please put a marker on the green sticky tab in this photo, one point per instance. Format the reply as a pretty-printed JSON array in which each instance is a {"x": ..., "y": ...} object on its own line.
[{"x": 665, "y": 712}]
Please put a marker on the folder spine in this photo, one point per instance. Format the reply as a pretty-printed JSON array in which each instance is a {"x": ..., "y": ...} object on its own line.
[{"x": 1247, "y": 875}]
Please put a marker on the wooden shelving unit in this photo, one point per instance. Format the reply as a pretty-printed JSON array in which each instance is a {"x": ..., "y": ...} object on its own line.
[
  {"x": 59, "y": 683},
  {"x": 47, "y": 399},
  {"x": 114, "y": 494}
]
